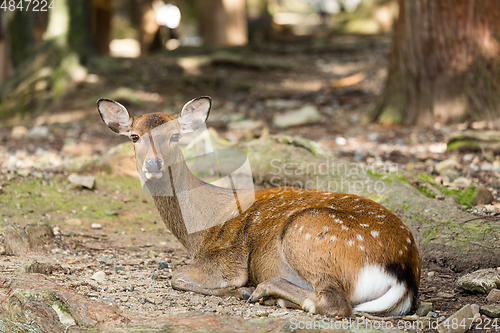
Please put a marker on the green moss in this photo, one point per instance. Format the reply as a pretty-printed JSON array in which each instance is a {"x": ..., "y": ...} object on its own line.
[
  {"x": 465, "y": 198},
  {"x": 426, "y": 191},
  {"x": 406, "y": 206},
  {"x": 31, "y": 199},
  {"x": 462, "y": 144},
  {"x": 401, "y": 179},
  {"x": 426, "y": 178},
  {"x": 381, "y": 176}
]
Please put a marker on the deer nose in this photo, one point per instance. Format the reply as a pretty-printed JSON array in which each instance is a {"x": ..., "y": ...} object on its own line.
[{"x": 153, "y": 165}]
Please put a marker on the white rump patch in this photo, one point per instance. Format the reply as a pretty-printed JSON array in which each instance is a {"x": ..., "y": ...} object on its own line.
[{"x": 378, "y": 291}]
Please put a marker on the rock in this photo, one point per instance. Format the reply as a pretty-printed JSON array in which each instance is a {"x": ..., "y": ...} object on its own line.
[
  {"x": 432, "y": 314},
  {"x": 40, "y": 268},
  {"x": 38, "y": 132},
  {"x": 431, "y": 274},
  {"x": 18, "y": 132},
  {"x": 446, "y": 165},
  {"x": 442, "y": 294},
  {"x": 494, "y": 296},
  {"x": 24, "y": 172},
  {"x": 492, "y": 311},
  {"x": 464, "y": 315},
  {"x": 33, "y": 237},
  {"x": 96, "y": 226},
  {"x": 99, "y": 276},
  {"x": 247, "y": 128},
  {"x": 423, "y": 309},
  {"x": 83, "y": 181},
  {"x": 484, "y": 196},
  {"x": 162, "y": 265},
  {"x": 308, "y": 114},
  {"x": 461, "y": 182},
  {"x": 479, "y": 282},
  {"x": 373, "y": 136},
  {"x": 340, "y": 141},
  {"x": 474, "y": 308},
  {"x": 119, "y": 269},
  {"x": 73, "y": 222}
]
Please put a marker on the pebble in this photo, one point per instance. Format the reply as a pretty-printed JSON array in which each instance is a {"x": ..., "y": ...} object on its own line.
[
  {"x": 119, "y": 269},
  {"x": 154, "y": 276},
  {"x": 424, "y": 309},
  {"x": 99, "y": 276},
  {"x": 38, "y": 132},
  {"x": 96, "y": 226},
  {"x": 162, "y": 265},
  {"x": 18, "y": 132},
  {"x": 340, "y": 141},
  {"x": 464, "y": 315},
  {"x": 479, "y": 282},
  {"x": 494, "y": 296},
  {"x": 431, "y": 274},
  {"x": 492, "y": 311},
  {"x": 432, "y": 314},
  {"x": 83, "y": 181},
  {"x": 308, "y": 114},
  {"x": 73, "y": 222}
]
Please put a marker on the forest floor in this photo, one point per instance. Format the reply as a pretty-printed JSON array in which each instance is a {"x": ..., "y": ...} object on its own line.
[{"x": 115, "y": 228}]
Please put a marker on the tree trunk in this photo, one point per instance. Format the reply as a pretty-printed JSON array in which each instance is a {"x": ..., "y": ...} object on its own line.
[
  {"x": 20, "y": 36},
  {"x": 144, "y": 18},
  {"x": 444, "y": 64},
  {"x": 222, "y": 22}
]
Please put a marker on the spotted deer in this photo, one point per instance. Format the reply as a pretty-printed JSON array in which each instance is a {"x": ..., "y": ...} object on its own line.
[{"x": 327, "y": 253}]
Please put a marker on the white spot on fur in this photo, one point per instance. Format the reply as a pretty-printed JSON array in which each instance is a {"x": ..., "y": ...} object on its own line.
[
  {"x": 333, "y": 238},
  {"x": 325, "y": 228},
  {"x": 357, "y": 199},
  {"x": 364, "y": 225},
  {"x": 378, "y": 291},
  {"x": 408, "y": 240},
  {"x": 350, "y": 242},
  {"x": 380, "y": 216},
  {"x": 374, "y": 233},
  {"x": 344, "y": 227},
  {"x": 361, "y": 247},
  {"x": 338, "y": 220},
  {"x": 352, "y": 217},
  {"x": 332, "y": 216},
  {"x": 308, "y": 235},
  {"x": 300, "y": 229},
  {"x": 400, "y": 252},
  {"x": 358, "y": 236},
  {"x": 345, "y": 197}
]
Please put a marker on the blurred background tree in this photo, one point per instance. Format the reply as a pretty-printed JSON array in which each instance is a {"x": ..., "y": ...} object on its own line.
[{"x": 444, "y": 64}]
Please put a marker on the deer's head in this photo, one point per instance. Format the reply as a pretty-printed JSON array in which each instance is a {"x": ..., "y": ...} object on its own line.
[{"x": 155, "y": 135}]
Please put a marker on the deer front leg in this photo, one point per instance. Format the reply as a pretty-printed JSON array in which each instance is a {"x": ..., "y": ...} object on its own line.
[
  {"x": 204, "y": 280},
  {"x": 328, "y": 301}
]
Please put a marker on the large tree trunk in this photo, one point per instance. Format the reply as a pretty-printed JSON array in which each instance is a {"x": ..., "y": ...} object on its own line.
[
  {"x": 222, "y": 22},
  {"x": 444, "y": 64}
]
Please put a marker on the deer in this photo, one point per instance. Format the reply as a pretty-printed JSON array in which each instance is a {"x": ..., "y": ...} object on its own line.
[{"x": 324, "y": 252}]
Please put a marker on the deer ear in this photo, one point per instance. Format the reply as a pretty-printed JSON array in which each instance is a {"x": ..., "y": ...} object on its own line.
[
  {"x": 194, "y": 114},
  {"x": 115, "y": 116}
]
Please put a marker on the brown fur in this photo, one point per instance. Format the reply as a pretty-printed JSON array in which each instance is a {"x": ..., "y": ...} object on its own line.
[{"x": 317, "y": 240}]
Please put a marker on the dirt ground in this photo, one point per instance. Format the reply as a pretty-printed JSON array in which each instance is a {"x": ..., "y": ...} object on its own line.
[{"x": 130, "y": 243}]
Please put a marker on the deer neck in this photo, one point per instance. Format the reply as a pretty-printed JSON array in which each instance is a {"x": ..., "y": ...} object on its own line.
[{"x": 178, "y": 210}]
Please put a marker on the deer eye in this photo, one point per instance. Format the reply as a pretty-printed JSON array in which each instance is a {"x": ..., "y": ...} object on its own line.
[
  {"x": 175, "y": 137},
  {"x": 134, "y": 138}
]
